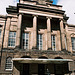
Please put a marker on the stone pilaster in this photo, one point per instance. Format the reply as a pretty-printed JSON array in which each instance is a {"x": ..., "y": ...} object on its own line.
[
  {"x": 18, "y": 34},
  {"x": 34, "y": 31},
  {"x": 67, "y": 37},
  {"x": 49, "y": 33},
  {"x": 7, "y": 29},
  {"x": 62, "y": 35},
  {"x": 71, "y": 67}
]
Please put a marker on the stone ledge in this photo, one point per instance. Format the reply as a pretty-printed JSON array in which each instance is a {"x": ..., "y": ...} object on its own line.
[{"x": 37, "y": 51}]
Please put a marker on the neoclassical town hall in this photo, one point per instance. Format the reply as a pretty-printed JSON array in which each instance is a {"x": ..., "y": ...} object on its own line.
[{"x": 35, "y": 39}]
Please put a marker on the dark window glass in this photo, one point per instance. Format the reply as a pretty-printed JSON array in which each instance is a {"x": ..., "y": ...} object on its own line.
[{"x": 73, "y": 43}]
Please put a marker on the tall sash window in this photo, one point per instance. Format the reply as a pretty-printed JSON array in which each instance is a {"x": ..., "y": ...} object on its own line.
[
  {"x": 73, "y": 43},
  {"x": 39, "y": 41},
  {"x": 25, "y": 41},
  {"x": 53, "y": 42},
  {"x": 12, "y": 39}
]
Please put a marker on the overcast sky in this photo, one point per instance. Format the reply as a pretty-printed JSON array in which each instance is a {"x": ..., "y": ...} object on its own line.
[{"x": 68, "y": 6}]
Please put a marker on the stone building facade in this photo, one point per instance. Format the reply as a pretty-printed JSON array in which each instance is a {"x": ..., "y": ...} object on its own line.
[{"x": 35, "y": 39}]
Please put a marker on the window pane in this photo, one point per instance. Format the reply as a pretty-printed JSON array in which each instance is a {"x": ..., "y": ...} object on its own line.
[
  {"x": 39, "y": 41},
  {"x": 73, "y": 43},
  {"x": 53, "y": 42},
  {"x": 12, "y": 39},
  {"x": 25, "y": 41}
]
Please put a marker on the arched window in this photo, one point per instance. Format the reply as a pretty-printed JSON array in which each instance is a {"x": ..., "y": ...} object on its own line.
[
  {"x": 58, "y": 58},
  {"x": 8, "y": 65},
  {"x": 26, "y": 57},
  {"x": 43, "y": 57}
]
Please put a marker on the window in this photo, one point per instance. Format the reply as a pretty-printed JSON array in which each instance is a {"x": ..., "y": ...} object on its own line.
[
  {"x": 12, "y": 39},
  {"x": 8, "y": 65},
  {"x": 39, "y": 41},
  {"x": 73, "y": 43},
  {"x": 25, "y": 41},
  {"x": 53, "y": 42}
]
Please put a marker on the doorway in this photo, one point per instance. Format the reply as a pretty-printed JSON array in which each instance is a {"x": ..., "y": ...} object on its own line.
[
  {"x": 41, "y": 69},
  {"x": 59, "y": 69},
  {"x": 25, "y": 70}
]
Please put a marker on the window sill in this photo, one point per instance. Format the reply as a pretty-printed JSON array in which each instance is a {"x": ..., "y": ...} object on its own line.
[
  {"x": 8, "y": 69},
  {"x": 73, "y": 50},
  {"x": 11, "y": 47}
]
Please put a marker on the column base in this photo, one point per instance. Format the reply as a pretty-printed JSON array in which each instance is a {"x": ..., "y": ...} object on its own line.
[
  {"x": 17, "y": 47},
  {"x": 64, "y": 50},
  {"x": 49, "y": 48},
  {"x": 34, "y": 48}
]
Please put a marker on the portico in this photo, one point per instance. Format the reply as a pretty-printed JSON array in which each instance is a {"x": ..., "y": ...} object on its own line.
[
  {"x": 34, "y": 66},
  {"x": 36, "y": 28}
]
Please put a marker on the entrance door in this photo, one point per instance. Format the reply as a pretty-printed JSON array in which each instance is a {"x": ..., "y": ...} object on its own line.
[
  {"x": 25, "y": 69},
  {"x": 59, "y": 69},
  {"x": 41, "y": 69}
]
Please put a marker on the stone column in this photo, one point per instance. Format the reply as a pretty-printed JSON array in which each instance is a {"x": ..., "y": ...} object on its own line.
[
  {"x": 7, "y": 29},
  {"x": 67, "y": 37},
  {"x": 49, "y": 33},
  {"x": 34, "y": 31},
  {"x": 62, "y": 35},
  {"x": 18, "y": 34},
  {"x": 71, "y": 67}
]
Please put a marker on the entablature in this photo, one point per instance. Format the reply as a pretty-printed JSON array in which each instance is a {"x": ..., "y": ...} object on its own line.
[{"x": 39, "y": 8}]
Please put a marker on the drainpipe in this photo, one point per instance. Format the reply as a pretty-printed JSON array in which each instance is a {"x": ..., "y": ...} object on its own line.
[{"x": 3, "y": 35}]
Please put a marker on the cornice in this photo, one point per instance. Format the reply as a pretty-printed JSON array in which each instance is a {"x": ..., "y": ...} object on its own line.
[
  {"x": 27, "y": 6},
  {"x": 15, "y": 10},
  {"x": 11, "y": 9},
  {"x": 71, "y": 25}
]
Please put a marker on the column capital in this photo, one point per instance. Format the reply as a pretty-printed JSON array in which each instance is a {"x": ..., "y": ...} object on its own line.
[
  {"x": 9, "y": 17},
  {"x": 20, "y": 14},
  {"x": 60, "y": 19},
  {"x": 35, "y": 15},
  {"x": 49, "y": 17},
  {"x": 65, "y": 23}
]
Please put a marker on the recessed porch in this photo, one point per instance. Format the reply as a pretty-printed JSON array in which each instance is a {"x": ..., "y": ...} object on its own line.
[{"x": 35, "y": 66}]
